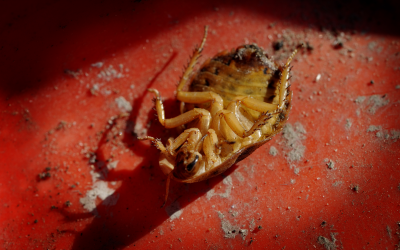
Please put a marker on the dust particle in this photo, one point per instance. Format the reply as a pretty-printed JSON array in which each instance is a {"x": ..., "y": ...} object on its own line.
[
  {"x": 395, "y": 134},
  {"x": 337, "y": 183},
  {"x": 229, "y": 230},
  {"x": 294, "y": 137},
  {"x": 397, "y": 87},
  {"x": 348, "y": 124},
  {"x": 328, "y": 244},
  {"x": 123, "y": 104},
  {"x": 98, "y": 65},
  {"x": 244, "y": 233},
  {"x": 273, "y": 151},
  {"x": 371, "y": 45},
  {"x": 389, "y": 231},
  {"x": 331, "y": 164},
  {"x": 376, "y": 101},
  {"x": 355, "y": 188},
  {"x": 360, "y": 99},
  {"x": 373, "y": 128}
]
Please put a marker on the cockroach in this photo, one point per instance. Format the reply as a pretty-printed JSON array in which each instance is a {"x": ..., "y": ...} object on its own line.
[{"x": 235, "y": 103}]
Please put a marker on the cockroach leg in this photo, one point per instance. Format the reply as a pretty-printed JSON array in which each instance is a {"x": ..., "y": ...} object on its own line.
[
  {"x": 157, "y": 143},
  {"x": 284, "y": 80},
  {"x": 167, "y": 189},
  {"x": 210, "y": 149},
  {"x": 182, "y": 138},
  {"x": 203, "y": 114},
  {"x": 193, "y": 62}
]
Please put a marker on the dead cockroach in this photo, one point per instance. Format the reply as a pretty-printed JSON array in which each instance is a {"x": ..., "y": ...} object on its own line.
[{"x": 237, "y": 102}]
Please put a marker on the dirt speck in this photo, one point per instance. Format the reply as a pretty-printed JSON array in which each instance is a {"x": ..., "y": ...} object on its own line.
[
  {"x": 355, "y": 188},
  {"x": 328, "y": 244},
  {"x": 68, "y": 204},
  {"x": 273, "y": 151},
  {"x": 395, "y": 134},
  {"x": 243, "y": 233},
  {"x": 360, "y": 99},
  {"x": 337, "y": 183},
  {"x": 229, "y": 230},
  {"x": 123, "y": 104},
  {"x": 331, "y": 164},
  {"x": 389, "y": 231},
  {"x": 373, "y": 128},
  {"x": 348, "y": 124}
]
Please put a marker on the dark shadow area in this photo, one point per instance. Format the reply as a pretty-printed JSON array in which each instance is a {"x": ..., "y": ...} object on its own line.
[
  {"x": 43, "y": 39},
  {"x": 135, "y": 213}
]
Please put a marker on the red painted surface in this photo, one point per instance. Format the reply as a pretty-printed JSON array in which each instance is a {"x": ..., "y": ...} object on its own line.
[{"x": 55, "y": 107}]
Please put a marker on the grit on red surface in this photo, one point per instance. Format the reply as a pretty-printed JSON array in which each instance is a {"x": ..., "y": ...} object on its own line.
[{"x": 73, "y": 177}]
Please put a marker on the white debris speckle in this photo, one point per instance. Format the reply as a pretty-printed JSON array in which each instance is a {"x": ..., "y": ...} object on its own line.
[
  {"x": 360, "y": 99},
  {"x": 294, "y": 137},
  {"x": 373, "y": 128},
  {"x": 98, "y": 64},
  {"x": 109, "y": 74},
  {"x": 273, "y": 151},
  {"x": 139, "y": 129},
  {"x": 331, "y": 164},
  {"x": 318, "y": 77},
  {"x": 112, "y": 165},
  {"x": 376, "y": 101},
  {"x": 123, "y": 104}
]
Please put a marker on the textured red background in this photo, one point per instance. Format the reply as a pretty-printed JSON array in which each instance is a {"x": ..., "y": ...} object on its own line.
[{"x": 55, "y": 107}]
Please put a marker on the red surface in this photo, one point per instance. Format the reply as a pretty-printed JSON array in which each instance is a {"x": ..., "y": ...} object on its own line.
[{"x": 51, "y": 119}]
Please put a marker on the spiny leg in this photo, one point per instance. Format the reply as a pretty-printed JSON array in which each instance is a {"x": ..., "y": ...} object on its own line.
[
  {"x": 193, "y": 62},
  {"x": 203, "y": 114},
  {"x": 167, "y": 189},
  {"x": 284, "y": 80},
  {"x": 156, "y": 142}
]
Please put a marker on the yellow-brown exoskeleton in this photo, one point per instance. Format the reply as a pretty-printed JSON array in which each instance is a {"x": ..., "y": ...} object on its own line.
[{"x": 233, "y": 105}]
